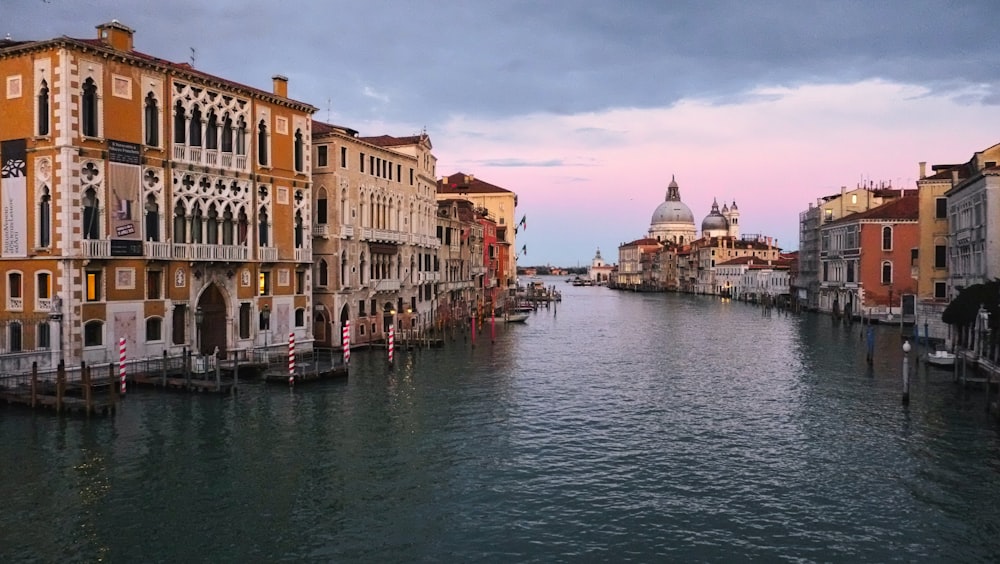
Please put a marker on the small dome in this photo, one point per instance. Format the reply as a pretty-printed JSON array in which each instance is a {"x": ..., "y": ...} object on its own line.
[{"x": 714, "y": 221}]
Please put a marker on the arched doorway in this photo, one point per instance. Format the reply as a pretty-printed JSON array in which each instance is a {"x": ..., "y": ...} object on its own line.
[
  {"x": 319, "y": 329},
  {"x": 212, "y": 329}
]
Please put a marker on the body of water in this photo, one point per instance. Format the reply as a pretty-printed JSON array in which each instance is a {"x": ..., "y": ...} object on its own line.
[{"x": 613, "y": 427}]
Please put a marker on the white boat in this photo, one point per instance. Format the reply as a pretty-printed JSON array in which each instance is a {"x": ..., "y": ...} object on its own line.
[
  {"x": 515, "y": 317},
  {"x": 941, "y": 358}
]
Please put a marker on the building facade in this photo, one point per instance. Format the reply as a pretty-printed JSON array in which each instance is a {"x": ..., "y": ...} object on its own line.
[
  {"x": 501, "y": 206},
  {"x": 374, "y": 234},
  {"x": 866, "y": 262},
  {"x": 148, "y": 201}
]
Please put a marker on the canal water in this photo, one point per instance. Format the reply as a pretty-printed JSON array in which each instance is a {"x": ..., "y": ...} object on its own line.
[{"x": 614, "y": 427}]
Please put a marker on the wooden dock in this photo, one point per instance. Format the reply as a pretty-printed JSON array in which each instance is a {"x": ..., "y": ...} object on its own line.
[
  {"x": 87, "y": 395},
  {"x": 309, "y": 367}
]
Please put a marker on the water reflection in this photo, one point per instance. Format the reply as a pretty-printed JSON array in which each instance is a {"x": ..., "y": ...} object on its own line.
[{"x": 627, "y": 427}]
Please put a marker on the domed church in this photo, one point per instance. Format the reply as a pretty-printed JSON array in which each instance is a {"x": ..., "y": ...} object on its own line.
[
  {"x": 724, "y": 223},
  {"x": 673, "y": 221}
]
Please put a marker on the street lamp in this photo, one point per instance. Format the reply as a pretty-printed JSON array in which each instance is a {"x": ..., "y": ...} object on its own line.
[
  {"x": 906, "y": 372},
  {"x": 55, "y": 315},
  {"x": 199, "y": 317},
  {"x": 265, "y": 314}
]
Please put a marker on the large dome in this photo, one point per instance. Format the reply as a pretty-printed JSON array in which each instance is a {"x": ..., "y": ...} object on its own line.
[
  {"x": 672, "y": 211},
  {"x": 672, "y": 220}
]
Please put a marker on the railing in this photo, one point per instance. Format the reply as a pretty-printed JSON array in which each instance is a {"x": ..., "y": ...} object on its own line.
[
  {"x": 321, "y": 231},
  {"x": 194, "y": 154},
  {"x": 346, "y": 231},
  {"x": 200, "y": 251},
  {"x": 227, "y": 160},
  {"x": 241, "y": 162},
  {"x": 156, "y": 250},
  {"x": 211, "y": 157},
  {"x": 180, "y": 152},
  {"x": 15, "y": 304},
  {"x": 303, "y": 255},
  {"x": 43, "y": 304},
  {"x": 267, "y": 254},
  {"x": 95, "y": 248},
  {"x": 384, "y": 285}
]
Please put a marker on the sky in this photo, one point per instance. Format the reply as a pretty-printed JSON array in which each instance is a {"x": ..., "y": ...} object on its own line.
[{"x": 587, "y": 108}]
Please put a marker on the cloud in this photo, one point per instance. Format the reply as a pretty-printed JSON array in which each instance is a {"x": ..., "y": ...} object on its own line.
[{"x": 370, "y": 92}]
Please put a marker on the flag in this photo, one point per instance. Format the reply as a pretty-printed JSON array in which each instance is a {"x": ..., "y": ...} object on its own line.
[
  {"x": 515, "y": 230},
  {"x": 524, "y": 221},
  {"x": 524, "y": 250}
]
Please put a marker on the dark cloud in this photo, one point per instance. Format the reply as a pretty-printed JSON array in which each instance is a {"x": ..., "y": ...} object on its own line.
[{"x": 429, "y": 60}]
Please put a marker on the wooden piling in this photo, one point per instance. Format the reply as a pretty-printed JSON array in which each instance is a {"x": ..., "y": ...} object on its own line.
[
  {"x": 34, "y": 383},
  {"x": 87, "y": 400},
  {"x": 60, "y": 388}
]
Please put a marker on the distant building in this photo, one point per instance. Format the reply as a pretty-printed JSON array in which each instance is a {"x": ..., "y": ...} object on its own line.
[
  {"x": 599, "y": 272},
  {"x": 500, "y": 206}
]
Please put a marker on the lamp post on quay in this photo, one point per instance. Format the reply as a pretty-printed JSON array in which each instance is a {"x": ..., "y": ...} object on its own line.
[
  {"x": 199, "y": 318},
  {"x": 906, "y": 372},
  {"x": 55, "y": 315},
  {"x": 265, "y": 314}
]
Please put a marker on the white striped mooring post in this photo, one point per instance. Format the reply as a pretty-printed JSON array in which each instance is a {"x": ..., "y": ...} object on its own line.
[
  {"x": 346, "y": 342},
  {"x": 291, "y": 359},
  {"x": 391, "y": 343},
  {"x": 121, "y": 363}
]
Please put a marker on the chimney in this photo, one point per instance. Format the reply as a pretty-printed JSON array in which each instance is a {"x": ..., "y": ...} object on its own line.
[
  {"x": 280, "y": 85},
  {"x": 923, "y": 170},
  {"x": 116, "y": 35},
  {"x": 954, "y": 176}
]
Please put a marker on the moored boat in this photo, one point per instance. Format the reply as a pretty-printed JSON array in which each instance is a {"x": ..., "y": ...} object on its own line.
[
  {"x": 515, "y": 317},
  {"x": 940, "y": 358}
]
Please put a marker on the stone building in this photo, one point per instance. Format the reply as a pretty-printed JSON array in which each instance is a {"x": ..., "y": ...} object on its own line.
[
  {"x": 500, "y": 205},
  {"x": 149, "y": 201},
  {"x": 374, "y": 234}
]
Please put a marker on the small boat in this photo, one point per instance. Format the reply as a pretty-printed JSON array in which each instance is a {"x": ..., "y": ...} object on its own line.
[
  {"x": 941, "y": 358},
  {"x": 515, "y": 317}
]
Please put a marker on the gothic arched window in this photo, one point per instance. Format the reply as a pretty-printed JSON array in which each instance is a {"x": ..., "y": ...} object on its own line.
[{"x": 88, "y": 109}]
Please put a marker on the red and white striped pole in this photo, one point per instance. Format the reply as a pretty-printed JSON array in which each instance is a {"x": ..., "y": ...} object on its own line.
[
  {"x": 346, "y": 342},
  {"x": 291, "y": 359},
  {"x": 392, "y": 335},
  {"x": 121, "y": 363}
]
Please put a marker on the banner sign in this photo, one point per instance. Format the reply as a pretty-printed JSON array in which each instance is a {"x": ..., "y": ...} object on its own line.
[
  {"x": 14, "y": 198},
  {"x": 124, "y": 181}
]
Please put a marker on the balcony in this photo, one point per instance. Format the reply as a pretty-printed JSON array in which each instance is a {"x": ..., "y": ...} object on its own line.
[
  {"x": 346, "y": 231},
  {"x": 206, "y": 252},
  {"x": 43, "y": 304},
  {"x": 95, "y": 248},
  {"x": 156, "y": 250},
  {"x": 15, "y": 304},
  {"x": 321, "y": 231},
  {"x": 267, "y": 254},
  {"x": 209, "y": 157},
  {"x": 384, "y": 285},
  {"x": 303, "y": 255}
]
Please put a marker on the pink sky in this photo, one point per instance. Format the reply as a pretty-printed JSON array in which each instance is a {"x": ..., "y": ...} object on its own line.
[{"x": 593, "y": 180}]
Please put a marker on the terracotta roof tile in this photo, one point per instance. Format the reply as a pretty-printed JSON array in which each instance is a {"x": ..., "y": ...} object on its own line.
[{"x": 457, "y": 184}]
